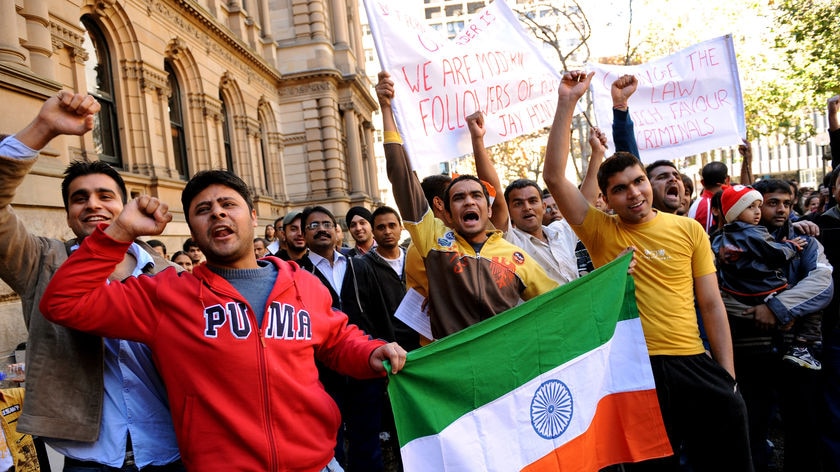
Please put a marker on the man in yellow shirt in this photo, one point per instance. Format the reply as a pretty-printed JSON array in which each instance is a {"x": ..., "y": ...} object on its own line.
[{"x": 701, "y": 406}]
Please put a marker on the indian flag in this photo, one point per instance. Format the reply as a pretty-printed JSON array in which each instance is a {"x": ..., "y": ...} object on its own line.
[{"x": 562, "y": 382}]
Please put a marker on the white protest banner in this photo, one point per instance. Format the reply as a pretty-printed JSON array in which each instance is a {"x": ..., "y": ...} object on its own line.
[
  {"x": 685, "y": 104},
  {"x": 492, "y": 66}
]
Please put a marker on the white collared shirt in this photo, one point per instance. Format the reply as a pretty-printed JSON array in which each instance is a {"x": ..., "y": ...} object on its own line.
[
  {"x": 557, "y": 257},
  {"x": 333, "y": 272}
]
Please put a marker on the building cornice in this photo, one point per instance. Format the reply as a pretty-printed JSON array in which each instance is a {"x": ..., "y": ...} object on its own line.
[{"x": 190, "y": 9}]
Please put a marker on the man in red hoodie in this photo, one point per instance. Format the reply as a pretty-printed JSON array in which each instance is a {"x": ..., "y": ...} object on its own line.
[{"x": 235, "y": 341}]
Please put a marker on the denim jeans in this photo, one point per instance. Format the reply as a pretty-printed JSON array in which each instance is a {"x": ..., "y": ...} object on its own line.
[{"x": 71, "y": 465}]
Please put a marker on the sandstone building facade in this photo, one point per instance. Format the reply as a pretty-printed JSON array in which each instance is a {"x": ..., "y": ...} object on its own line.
[{"x": 273, "y": 90}]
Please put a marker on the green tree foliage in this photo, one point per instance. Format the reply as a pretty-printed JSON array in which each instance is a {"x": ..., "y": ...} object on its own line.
[
  {"x": 807, "y": 34},
  {"x": 798, "y": 73},
  {"x": 788, "y": 52}
]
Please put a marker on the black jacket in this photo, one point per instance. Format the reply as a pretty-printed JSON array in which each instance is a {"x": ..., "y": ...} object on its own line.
[
  {"x": 360, "y": 298},
  {"x": 751, "y": 264},
  {"x": 392, "y": 287}
]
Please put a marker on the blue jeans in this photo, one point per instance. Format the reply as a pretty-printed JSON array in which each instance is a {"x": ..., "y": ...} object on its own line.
[
  {"x": 332, "y": 467},
  {"x": 72, "y": 465}
]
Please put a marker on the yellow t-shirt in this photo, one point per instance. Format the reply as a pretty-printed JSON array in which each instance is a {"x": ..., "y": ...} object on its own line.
[{"x": 671, "y": 251}]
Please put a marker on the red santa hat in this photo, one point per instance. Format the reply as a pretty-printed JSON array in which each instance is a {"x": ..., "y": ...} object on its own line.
[{"x": 736, "y": 199}]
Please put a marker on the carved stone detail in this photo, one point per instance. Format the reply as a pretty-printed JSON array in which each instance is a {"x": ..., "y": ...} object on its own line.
[{"x": 210, "y": 107}]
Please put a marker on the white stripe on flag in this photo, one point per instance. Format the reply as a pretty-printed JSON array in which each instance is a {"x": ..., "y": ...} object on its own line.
[{"x": 500, "y": 436}]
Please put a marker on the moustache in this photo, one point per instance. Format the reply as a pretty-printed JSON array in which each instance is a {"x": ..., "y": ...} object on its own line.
[{"x": 322, "y": 233}]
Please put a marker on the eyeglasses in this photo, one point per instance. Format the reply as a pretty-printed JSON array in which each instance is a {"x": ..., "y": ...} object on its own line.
[{"x": 320, "y": 224}]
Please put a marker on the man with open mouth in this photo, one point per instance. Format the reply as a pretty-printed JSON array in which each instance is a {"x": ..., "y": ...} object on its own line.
[{"x": 473, "y": 272}]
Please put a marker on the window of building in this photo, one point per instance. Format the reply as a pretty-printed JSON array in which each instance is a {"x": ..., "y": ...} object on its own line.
[
  {"x": 176, "y": 123},
  {"x": 454, "y": 27},
  {"x": 453, "y": 10},
  {"x": 226, "y": 134},
  {"x": 473, "y": 7},
  {"x": 99, "y": 76},
  {"x": 264, "y": 153},
  {"x": 432, "y": 12}
]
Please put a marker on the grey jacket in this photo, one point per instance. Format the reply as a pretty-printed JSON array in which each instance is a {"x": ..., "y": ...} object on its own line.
[{"x": 64, "y": 368}]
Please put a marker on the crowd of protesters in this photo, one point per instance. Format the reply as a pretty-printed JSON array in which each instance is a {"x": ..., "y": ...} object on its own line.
[{"x": 284, "y": 369}]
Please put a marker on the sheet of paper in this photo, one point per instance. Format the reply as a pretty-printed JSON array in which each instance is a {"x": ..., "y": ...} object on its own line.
[{"x": 411, "y": 312}]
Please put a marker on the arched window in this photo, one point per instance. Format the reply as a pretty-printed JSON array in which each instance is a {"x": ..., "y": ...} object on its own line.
[
  {"x": 264, "y": 154},
  {"x": 100, "y": 83},
  {"x": 176, "y": 123},
  {"x": 226, "y": 133}
]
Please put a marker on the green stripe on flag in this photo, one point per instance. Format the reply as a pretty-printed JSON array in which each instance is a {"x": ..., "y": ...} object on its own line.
[{"x": 477, "y": 365}]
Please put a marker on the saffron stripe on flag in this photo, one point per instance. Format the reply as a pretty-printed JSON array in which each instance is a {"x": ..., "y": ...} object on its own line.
[{"x": 596, "y": 448}]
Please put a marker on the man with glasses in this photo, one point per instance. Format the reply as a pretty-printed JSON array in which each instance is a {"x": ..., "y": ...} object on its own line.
[{"x": 354, "y": 291}]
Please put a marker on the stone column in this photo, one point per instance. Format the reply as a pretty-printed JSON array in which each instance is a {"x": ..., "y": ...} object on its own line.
[
  {"x": 354, "y": 150},
  {"x": 318, "y": 20},
  {"x": 340, "y": 23},
  {"x": 10, "y": 51},
  {"x": 334, "y": 171},
  {"x": 275, "y": 154},
  {"x": 38, "y": 38},
  {"x": 370, "y": 159},
  {"x": 265, "y": 18}
]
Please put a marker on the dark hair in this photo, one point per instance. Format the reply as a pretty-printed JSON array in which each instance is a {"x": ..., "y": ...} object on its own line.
[
  {"x": 78, "y": 169},
  {"x": 615, "y": 164},
  {"x": 264, "y": 241},
  {"x": 157, "y": 243},
  {"x": 188, "y": 244},
  {"x": 206, "y": 178},
  {"x": 659, "y": 163},
  {"x": 714, "y": 174},
  {"x": 435, "y": 186},
  {"x": 462, "y": 178},
  {"x": 716, "y": 202},
  {"x": 278, "y": 220},
  {"x": 384, "y": 210},
  {"x": 689, "y": 184},
  {"x": 835, "y": 173},
  {"x": 304, "y": 215},
  {"x": 772, "y": 186},
  {"x": 520, "y": 184},
  {"x": 179, "y": 253}
]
